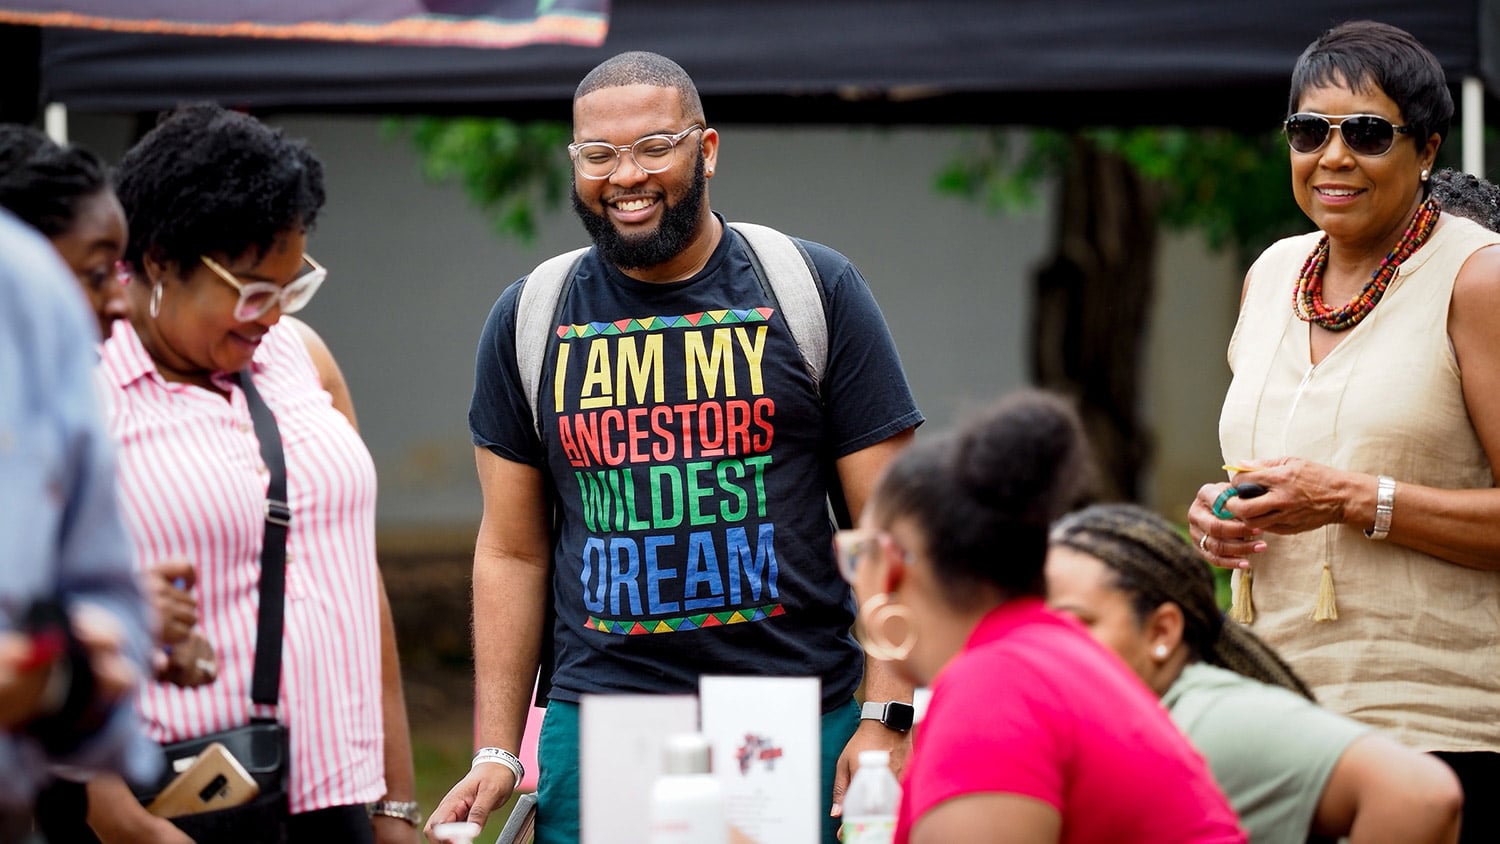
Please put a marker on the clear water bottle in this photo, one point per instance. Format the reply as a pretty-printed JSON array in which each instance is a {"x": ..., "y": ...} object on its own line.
[
  {"x": 871, "y": 802},
  {"x": 687, "y": 801},
  {"x": 459, "y": 832}
]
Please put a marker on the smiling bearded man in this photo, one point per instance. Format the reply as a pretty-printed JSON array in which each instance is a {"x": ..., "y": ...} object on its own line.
[{"x": 661, "y": 510}]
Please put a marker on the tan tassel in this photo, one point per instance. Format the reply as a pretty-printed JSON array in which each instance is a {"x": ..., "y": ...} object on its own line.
[
  {"x": 1327, "y": 609},
  {"x": 1242, "y": 607}
]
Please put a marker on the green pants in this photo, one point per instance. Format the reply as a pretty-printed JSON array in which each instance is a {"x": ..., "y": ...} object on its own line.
[{"x": 557, "y": 782}]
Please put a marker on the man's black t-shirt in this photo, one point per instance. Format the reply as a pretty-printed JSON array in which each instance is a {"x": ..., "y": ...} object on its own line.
[{"x": 690, "y": 453}]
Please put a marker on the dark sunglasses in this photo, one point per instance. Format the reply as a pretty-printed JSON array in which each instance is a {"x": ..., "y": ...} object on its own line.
[{"x": 1369, "y": 135}]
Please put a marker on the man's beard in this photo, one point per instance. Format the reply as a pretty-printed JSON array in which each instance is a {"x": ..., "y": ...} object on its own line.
[{"x": 679, "y": 224}]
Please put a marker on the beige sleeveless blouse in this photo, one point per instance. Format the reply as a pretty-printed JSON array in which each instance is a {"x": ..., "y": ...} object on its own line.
[{"x": 1416, "y": 646}]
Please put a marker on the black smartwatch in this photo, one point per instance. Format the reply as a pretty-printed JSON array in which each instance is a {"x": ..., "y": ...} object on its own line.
[{"x": 893, "y": 715}]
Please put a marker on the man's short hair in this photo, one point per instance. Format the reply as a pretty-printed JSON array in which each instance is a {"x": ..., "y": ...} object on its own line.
[{"x": 639, "y": 67}]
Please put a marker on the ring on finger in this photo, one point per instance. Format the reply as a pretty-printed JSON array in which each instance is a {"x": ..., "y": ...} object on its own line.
[
  {"x": 1203, "y": 544},
  {"x": 207, "y": 666}
]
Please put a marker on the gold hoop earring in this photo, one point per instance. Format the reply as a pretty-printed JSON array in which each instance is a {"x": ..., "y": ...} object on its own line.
[
  {"x": 155, "y": 300},
  {"x": 874, "y": 615}
]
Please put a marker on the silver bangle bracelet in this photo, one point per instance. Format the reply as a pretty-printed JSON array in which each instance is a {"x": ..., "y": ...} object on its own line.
[
  {"x": 1385, "y": 507},
  {"x": 499, "y": 756}
]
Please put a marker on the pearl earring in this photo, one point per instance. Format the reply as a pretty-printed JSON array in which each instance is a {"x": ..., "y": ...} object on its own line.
[
  {"x": 1425, "y": 174},
  {"x": 1160, "y": 653}
]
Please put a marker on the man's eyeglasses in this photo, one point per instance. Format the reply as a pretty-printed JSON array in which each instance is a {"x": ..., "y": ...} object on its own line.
[
  {"x": 259, "y": 297},
  {"x": 1369, "y": 135},
  {"x": 653, "y": 154}
]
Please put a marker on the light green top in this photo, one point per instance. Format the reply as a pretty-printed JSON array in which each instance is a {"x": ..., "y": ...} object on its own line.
[{"x": 1270, "y": 750}]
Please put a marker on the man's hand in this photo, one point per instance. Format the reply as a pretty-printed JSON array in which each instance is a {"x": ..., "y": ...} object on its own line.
[
  {"x": 871, "y": 735},
  {"x": 476, "y": 796}
]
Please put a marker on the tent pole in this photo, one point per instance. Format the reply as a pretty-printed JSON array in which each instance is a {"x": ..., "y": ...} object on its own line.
[
  {"x": 55, "y": 117},
  {"x": 1473, "y": 145}
]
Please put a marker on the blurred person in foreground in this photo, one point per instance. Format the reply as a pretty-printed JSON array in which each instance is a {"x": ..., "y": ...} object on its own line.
[
  {"x": 752, "y": 546},
  {"x": 64, "y": 193},
  {"x": 1034, "y": 731},
  {"x": 219, "y": 208},
  {"x": 1366, "y": 399},
  {"x": 73, "y": 627},
  {"x": 1294, "y": 771}
]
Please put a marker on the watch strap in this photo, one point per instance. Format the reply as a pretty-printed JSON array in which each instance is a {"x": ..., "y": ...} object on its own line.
[{"x": 893, "y": 714}]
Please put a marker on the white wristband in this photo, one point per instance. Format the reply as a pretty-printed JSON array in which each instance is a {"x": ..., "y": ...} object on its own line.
[{"x": 499, "y": 756}]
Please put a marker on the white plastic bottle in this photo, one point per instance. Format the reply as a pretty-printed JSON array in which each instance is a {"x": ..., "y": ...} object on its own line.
[
  {"x": 687, "y": 801},
  {"x": 871, "y": 802}
]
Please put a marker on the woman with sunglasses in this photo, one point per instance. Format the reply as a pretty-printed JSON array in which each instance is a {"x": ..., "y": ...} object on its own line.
[
  {"x": 1365, "y": 400},
  {"x": 219, "y": 208},
  {"x": 1034, "y": 732},
  {"x": 1294, "y": 771}
]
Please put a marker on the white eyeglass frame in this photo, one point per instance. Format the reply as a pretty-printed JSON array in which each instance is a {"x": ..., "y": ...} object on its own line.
[
  {"x": 574, "y": 150},
  {"x": 291, "y": 298}
]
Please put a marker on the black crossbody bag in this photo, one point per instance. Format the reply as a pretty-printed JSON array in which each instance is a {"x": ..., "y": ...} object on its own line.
[{"x": 262, "y": 745}]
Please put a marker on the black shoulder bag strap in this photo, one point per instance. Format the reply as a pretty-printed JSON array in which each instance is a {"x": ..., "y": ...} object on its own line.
[{"x": 266, "y": 683}]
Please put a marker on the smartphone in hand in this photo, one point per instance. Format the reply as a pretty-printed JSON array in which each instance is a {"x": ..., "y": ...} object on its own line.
[{"x": 215, "y": 780}]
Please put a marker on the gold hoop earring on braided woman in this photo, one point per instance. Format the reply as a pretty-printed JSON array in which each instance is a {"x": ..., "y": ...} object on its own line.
[{"x": 875, "y": 616}]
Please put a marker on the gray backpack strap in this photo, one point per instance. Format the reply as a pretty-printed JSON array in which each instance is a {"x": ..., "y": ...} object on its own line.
[
  {"x": 536, "y": 316},
  {"x": 798, "y": 294}
]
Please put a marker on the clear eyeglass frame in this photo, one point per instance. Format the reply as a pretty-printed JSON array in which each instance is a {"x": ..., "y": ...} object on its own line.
[{"x": 653, "y": 154}]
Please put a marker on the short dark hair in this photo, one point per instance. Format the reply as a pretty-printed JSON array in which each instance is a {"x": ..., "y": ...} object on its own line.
[
  {"x": 207, "y": 179},
  {"x": 639, "y": 67},
  {"x": 985, "y": 495},
  {"x": 1153, "y": 565},
  {"x": 1467, "y": 195},
  {"x": 1363, "y": 53},
  {"x": 43, "y": 182}
]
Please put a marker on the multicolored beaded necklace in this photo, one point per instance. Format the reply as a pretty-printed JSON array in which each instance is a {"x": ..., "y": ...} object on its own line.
[{"x": 1307, "y": 299}]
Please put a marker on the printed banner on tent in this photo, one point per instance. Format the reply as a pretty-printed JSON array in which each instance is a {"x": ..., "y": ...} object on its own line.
[{"x": 460, "y": 23}]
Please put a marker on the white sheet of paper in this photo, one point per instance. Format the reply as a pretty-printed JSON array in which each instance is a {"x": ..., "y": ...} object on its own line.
[
  {"x": 619, "y": 755},
  {"x": 766, "y": 751}
]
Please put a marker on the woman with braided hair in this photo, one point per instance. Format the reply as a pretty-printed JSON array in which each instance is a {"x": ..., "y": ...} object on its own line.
[
  {"x": 1293, "y": 771},
  {"x": 64, "y": 193}
]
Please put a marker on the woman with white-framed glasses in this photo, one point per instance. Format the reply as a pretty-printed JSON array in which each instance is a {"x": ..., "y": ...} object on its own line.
[
  {"x": 1365, "y": 401},
  {"x": 220, "y": 206}
]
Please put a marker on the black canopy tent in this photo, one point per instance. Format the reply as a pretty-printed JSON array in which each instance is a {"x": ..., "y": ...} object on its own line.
[{"x": 1055, "y": 62}]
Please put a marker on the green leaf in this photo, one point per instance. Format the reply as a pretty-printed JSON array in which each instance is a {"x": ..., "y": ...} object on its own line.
[{"x": 509, "y": 170}]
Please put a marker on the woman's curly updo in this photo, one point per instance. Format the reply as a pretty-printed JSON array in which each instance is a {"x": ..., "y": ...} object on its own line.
[
  {"x": 985, "y": 495},
  {"x": 210, "y": 180}
]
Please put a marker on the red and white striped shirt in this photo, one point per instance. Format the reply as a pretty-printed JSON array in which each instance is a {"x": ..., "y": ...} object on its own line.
[{"x": 194, "y": 487}]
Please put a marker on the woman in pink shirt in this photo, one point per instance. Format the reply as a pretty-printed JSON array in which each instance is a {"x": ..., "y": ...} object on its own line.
[
  {"x": 219, "y": 207},
  {"x": 1034, "y": 732}
]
